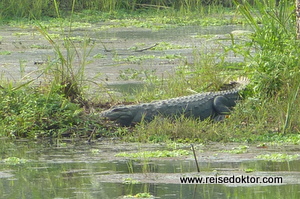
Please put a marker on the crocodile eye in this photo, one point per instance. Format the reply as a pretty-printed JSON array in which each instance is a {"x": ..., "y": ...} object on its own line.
[{"x": 120, "y": 109}]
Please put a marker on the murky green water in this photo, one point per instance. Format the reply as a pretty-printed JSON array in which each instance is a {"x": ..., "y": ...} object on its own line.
[
  {"x": 111, "y": 49},
  {"x": 83, "y": 170}
]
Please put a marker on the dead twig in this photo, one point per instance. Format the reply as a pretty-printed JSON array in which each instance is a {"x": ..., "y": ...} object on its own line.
[
  {"x": 90, "y": 138},
  {"x": 147, "y": 48}
]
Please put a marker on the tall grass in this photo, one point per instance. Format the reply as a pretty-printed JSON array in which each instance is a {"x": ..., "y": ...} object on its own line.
[
  {"x": 276, "y": 63},
  {"x": 24, "y": 8},
  {"x": 275, "y": 67},
  {"x": 67, "y": 69},
  {"x": 39, "y": 8}
]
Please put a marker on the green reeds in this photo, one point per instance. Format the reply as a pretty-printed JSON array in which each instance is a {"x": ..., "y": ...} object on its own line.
[
  {"x": 276, "y": 57},
  {"x": 24, "y": 8},
  {"x": 39, "y": 8},
  {"x": 66, "y": 76}
]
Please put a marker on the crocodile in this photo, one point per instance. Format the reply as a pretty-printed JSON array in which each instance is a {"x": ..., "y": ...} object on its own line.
[{"x": 214, "y": 105}]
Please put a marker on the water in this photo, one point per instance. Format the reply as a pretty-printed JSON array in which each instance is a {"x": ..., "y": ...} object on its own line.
[
  {"x": 82, "y": 170},
  {"x": 28, "y": 51}
]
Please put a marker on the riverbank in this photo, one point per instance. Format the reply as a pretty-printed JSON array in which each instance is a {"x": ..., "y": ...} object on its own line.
[{"x": 57, "y": 75}]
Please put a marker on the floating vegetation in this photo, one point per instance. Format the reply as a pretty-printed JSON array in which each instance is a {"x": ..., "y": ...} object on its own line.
[
  {"x": 249, "y": 170},
  {"x": 140, "y": 195},
  {"x": 130, "y": 181},
  {"x": 237, "y": 150},
  {"x": 5, "y": 52},
  {"x": 95, "y": 151},
  {"x": 14, "y": 161},
  {"x": 20, "y": 34},
  {"x": 278, "y": 157},
  {"x": 135, "y": 59},
  {"x": 38, "y": 46},
  {"x": 99, "y": 56},
  {"x": 168, "y": 46},
  {"x": 154, "y": 154}
]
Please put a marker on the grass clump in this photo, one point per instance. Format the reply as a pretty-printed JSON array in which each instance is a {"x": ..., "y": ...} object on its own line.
[
  {"x": 36, "y": 113},
  {"x": 28, "y": 112},
  {"x": 274, "y": 68}
]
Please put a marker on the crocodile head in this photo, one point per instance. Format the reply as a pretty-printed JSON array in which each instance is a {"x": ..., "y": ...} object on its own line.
[{"x": 122, "y": 115}]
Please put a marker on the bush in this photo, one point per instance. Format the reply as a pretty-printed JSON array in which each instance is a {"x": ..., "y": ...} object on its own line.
[
  {"x": 275, "y": 63},
  {"x": 29, "y": 113}
]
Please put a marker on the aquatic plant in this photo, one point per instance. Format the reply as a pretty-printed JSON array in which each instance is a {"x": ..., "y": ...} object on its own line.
[
  {"x": 140, "y": 195},
  {"x": 277, "y": 157},
  {"x": 14, "y": 161},
  {"x": 130, "y": 181},
  {"x": 154, "y": 154},
  {"x": 249, "y": 170},
  {"x": 237, "y": 150},
  {"x": 5, "y": 52}
]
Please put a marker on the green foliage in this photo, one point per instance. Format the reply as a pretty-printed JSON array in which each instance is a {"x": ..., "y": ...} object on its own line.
[
  {"x": 131, "y": 73},
  {"x": 55, "y": 108},
  {"x": 24, "y": 8},
  {"x": 41, "y": 8},
  {"x": 275, "y": 64},
  {"x": 29, "y": 113}
]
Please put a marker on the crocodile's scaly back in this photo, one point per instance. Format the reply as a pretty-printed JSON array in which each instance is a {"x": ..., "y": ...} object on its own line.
[{"x": 202, "y": 106}]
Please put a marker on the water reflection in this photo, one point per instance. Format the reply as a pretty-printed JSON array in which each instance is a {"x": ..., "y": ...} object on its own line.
[{"x": 74, "y": 171}]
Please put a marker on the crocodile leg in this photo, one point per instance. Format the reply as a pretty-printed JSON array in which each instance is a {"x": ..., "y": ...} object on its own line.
[{"x": 222, "y": 107}]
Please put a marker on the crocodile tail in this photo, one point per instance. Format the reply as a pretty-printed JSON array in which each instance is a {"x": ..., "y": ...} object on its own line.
[
  {"x": 238, "y": 84},
  {"x": 242, "y": 82}
]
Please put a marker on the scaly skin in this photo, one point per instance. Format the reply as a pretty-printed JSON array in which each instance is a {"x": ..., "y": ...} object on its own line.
[{"x": 202, "y": 106}]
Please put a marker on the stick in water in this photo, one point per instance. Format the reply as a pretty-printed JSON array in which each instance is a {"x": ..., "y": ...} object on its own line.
[{"x": 198, "y": 169}]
